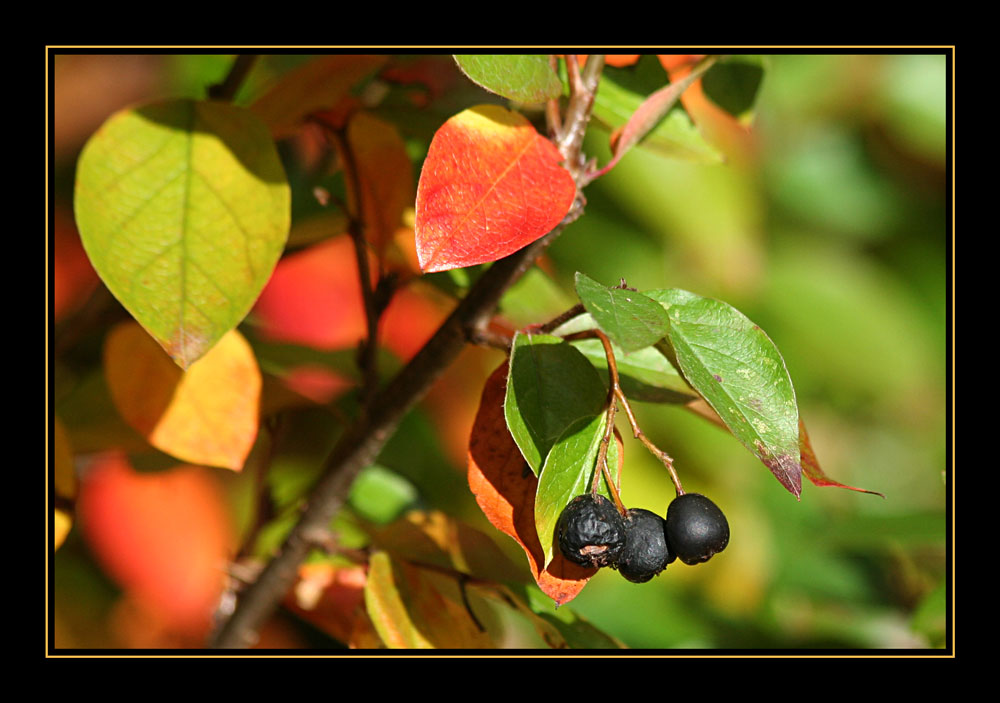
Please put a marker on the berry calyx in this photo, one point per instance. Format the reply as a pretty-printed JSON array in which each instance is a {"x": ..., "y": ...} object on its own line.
[
  {"x": 646, "y": 551},
  {"x": 696, "y": 528},
  {"x": 591, "y": 531}
]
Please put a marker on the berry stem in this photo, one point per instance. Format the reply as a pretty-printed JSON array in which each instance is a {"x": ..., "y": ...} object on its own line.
[{"x": 616, "y": 391}]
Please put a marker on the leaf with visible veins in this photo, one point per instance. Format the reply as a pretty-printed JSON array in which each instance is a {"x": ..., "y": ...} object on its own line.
[
  {"x": 490, "y": 185},
  {"x": 736, "y": 367}
]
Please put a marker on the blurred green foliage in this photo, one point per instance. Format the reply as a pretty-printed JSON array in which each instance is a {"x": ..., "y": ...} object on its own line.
[
  {"x": 833, "y": 236},
  {"x": 834, "y": 239}
]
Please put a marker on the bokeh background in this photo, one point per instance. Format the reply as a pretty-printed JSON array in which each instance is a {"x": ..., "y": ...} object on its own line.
[{"x": 828, "y": 225}]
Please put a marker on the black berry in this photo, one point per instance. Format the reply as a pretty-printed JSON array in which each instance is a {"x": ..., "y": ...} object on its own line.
[
  {"x": 646, "y": 552},
  {"x": 696, "y": 528},
  {"x": 591, "y": 531}
]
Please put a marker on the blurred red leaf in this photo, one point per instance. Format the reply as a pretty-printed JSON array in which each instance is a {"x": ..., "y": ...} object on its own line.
[
  {"x": 314, "y": 298},
  {"x": 165, "y": 537},
  {"x": 73, "y": 278},
  {"x": 490, "y": 185},
  {"x": 436, "y": 73},
  {"x": 504, "y": 488}
]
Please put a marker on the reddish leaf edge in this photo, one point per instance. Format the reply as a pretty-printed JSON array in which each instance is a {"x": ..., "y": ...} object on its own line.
[
  {"x": 501, "y": 483},
  {"x": 810, "y": 465},
  {"x": 650, "y": 112}
]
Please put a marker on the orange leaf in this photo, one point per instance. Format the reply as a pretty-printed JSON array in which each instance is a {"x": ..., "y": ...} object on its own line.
[
  {"x": 317, "y": 85},
  {"x": 616, "y": 60},
  {"x": 206, "y": 415},
  {"x": 504, "y": 488},
  {"x": 385, "y": 175},
  {"x": 164, "y": 537},
  {"x": 490, "y": 185},
  {"x": 721, "y": 128}
]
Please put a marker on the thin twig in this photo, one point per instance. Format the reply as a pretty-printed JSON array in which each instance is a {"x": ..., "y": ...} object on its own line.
[
  {"x": 362, "y": 442},
  {"x": 558, "y": 320},
  {"x": 665, "y": 458},
  {"x": 553, "y": 119},
  {"x": 359, "y": 446},
  {"x": 230, "y": 85},
  {"x": 583, "y": 86},
  {"x": 367, "y": 360}
]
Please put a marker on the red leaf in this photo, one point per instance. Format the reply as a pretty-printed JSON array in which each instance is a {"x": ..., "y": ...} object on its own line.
[
  {"x": 164, "y": 537},
  {"x": 810, "y": 465},
  {"x": 504, "y": 488},
  {"x": 314, "y": 298},
  {"x": 490, "y": 185}
]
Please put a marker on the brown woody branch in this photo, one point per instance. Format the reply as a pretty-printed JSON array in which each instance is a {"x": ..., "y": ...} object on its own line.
[
  {"x": 230, "y": 85},
  {"x": 362, "y": 442}
]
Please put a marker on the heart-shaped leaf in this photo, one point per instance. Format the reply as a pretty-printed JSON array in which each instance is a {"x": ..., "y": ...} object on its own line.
[
  {"x": 490, "y": 185},
  {"x": 735, "y": 366},
  {"x": 527, "y": 78},
  {"x": 629, "y": 319},
  {"x": 551, "y": 385},
  {"x": 183, "y": 208}
]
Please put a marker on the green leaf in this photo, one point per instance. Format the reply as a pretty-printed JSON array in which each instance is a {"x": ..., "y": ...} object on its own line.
[
  {"x": 733, "y": 364},
  {"x": 184, "y": 209},
  {"x": 676, "y": 135},
  {"x": 526, "y": 78},
  {"x": 550, "y": 386},
  {"x": 734, "y": 84},
  {"x": 629, "y": 319},
  {"x": 568, "y": 472},
  {"x": 645, "y": 375}
]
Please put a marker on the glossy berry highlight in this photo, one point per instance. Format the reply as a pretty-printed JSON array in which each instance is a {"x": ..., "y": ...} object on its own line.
[{"x": 591, "y": 531}]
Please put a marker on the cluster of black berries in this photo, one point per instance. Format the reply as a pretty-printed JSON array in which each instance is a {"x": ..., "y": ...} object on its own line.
[{"x": 593, "y": 533}]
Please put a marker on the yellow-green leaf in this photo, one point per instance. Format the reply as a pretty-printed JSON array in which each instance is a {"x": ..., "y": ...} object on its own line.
[{"x": 183, "y": 208}]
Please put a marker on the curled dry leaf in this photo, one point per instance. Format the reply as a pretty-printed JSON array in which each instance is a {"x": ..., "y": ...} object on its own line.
[{"x": 505, "y": 487}]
